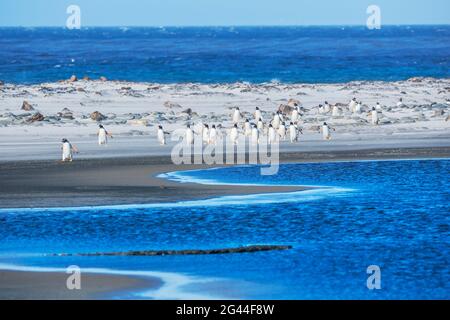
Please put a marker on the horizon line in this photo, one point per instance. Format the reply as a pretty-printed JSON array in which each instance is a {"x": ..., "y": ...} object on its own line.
[{"x": 225, "y": 26}]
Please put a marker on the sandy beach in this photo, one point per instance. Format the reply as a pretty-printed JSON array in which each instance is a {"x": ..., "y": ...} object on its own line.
[
  {"x": 125, "y": 171},
  {"x": 21, "y": 285}
]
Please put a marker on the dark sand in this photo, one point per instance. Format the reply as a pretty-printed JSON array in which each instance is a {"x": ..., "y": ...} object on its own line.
[
  {"x": 126, "y": 181},
  {"x": 52, "y": 286},
  {"x": 133, "y": 180}
]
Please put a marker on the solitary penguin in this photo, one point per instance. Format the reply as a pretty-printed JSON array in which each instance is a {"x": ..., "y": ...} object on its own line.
[
  {"x": 67, "y": 150},
  {"x": 189, "y": 135},
  {"x": 102, "y": 135},
  {"x": 161, "y": 134},
  {"x": 272, "y": 136},
  {"x": 400, "y": 103},
  {"x": 326, "y": 131},
  {"x": 236, "y": 115},
  {"x": 257, "y": 114},
  {"x": 374, "y": 116}
]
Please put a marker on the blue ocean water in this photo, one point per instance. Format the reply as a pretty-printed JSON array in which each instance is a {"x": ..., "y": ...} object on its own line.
[
  {"x": 393, "y": 214},
  {"x": 225, "y": 54}
]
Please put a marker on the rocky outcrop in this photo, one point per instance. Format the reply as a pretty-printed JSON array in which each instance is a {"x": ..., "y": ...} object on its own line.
[
  {"x": 97, "y": 116},
  {"x": 245, "y": 249},
  {"x": 73, "y": 78},
  {"x": 27, "y": 106},
  {"x": 36, "y": 117}
]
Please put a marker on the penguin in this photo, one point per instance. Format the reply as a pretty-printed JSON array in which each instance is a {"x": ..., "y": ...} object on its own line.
[
  {"x": 260, "y": 125},
  {"x": 234, "y": 134},
  {"x": 67, "y": 150},
  {"x": 205, "y": 133},
  {"x": 335, "y": 111},
  {"x": 358, "y": 107},
  {"x": 374, "y": 116},
  {"x": 102, "y": 135},
  {"x": 352, "y": 105},
  {"x": 247, "y": 128},
  {"x": 295, "y": 115},
  {"x": 378, "y": 107},
  {"x": 326, "y": 131},
  {"x": 276, "y": 120},
  {"x": 326, "y": 107},
  {"x": 320, "y": 109},
  {"x": 282, "y": 131},
  {"x": 293, "y": 133},
  {"x": 400, "y": 103},
  {"x": 213, "y": 135},
  {"x": 236, "y": 115},
  {"x": 161, "y": 134},
  {"x": 272, "y": 137},
  {"x": 255, "y": 135},
  {"x": 257, "y": 114},
  {"x": 189, "y": 135}
]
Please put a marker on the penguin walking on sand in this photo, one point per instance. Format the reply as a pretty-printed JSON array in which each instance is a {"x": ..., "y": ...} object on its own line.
[
  {"x": 326, "y": 131},
  {"x": 255, "y": 135},
  {"x": 257, "y": 114},
  {"x": 236, "y": 115},
  {"x": 161, "y": 134},
  {"x": 282, "y": 131},
  {"x": 234, "y": 134},
  {"x": 374, "y": 116},
  {"x": 293, "y": 132},
  {"x": 295, "y": 115},
  {"x": 205, "y": 133},
  {"x": 102, "y": 135},
  {"x": 271, "y": 135},
  {"x": 352, "y": 105},
  {"x": 189, "y": 135},
  {"x": 213, "y": 135},
  {"x": 67, "y": 150},
  {"x": 247, "y": 128}
]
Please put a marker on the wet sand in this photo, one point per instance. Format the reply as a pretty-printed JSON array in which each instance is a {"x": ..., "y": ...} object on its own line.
[
  {"x": 91, "y": 182},
  {"x": 21, "y": 285}
]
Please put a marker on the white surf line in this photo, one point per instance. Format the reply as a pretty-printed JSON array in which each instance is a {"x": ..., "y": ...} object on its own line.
[{"x": 172, "y": 288}]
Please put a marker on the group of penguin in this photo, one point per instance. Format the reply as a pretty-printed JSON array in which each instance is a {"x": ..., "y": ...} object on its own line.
[{"x": 277, "y": 130}]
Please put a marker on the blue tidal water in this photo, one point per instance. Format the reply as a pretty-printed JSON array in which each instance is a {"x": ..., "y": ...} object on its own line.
[
  {"x": 225, "y": 54},
  {"x": 393, "y": 214}
]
